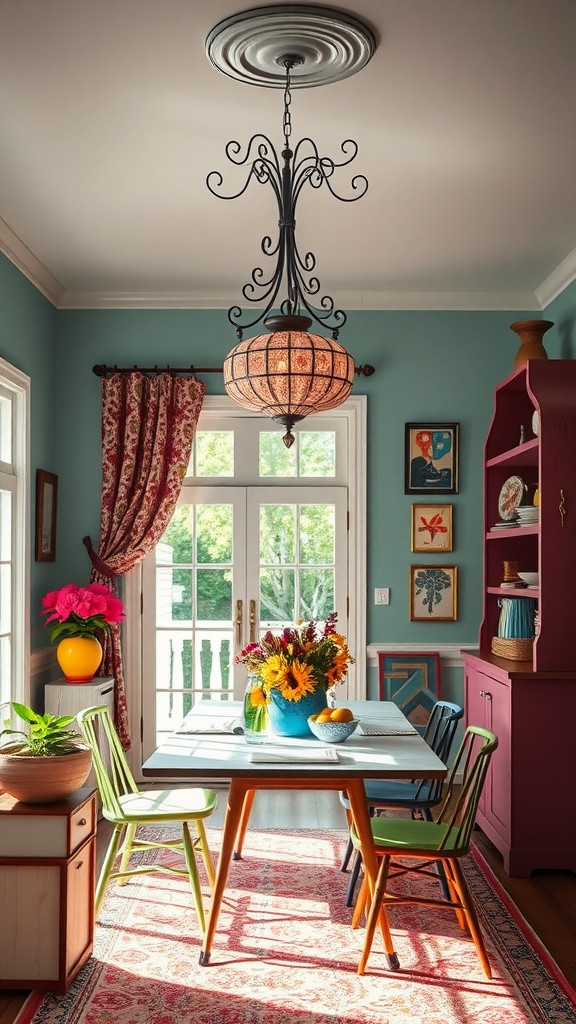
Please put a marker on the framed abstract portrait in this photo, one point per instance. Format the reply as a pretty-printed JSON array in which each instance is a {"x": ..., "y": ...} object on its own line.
[
  {"x": 433, "y": 593},
  {"x": 431, "y": 528},
  {"x": 431, "y": 458},
  {"x": 412, "y": 681}
]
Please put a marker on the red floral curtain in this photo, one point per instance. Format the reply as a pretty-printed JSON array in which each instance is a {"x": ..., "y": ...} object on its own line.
[{"x": 148, "y": 426}]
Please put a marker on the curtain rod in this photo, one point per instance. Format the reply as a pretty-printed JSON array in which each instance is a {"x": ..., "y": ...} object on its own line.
[{"x": 101, "y": 370}]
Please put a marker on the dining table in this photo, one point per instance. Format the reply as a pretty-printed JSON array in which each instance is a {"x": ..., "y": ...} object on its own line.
[{"x": 210, "y": 747}]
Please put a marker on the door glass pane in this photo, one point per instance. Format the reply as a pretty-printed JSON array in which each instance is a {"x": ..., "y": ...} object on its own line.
[
  {"x": 316, "y": 534},
  {"x": 5, "y": 667},
  {"x": 5, "y": 598},
  {"x": 317, "y": 450},
  {"x": 316, "y": 594},
  {"x": 214, "y": 533},
  {"x": 214, "y": 594},
  {"x": 277, "y": 534},
  {"x": 176, "y": 543},
  {"x": 214, "y": 451},
  {"x": 5, "y": 525},
  {"x": 275, "y": 458},
  {"x": 277, "y": 597}
]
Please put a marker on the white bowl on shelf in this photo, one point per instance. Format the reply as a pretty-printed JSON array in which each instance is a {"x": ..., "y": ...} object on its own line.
[{"x": 531, "y": 578}]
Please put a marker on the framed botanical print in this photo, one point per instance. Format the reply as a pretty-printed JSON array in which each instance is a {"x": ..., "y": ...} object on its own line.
[
  {"x": 433, "y": 593},
  {"x": 46, "y": 507},
  {"x": 431, "y": 528},
  {"x": 431, "y": 458}
]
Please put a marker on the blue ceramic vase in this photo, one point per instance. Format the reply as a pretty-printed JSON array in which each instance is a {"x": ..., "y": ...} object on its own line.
[{"x": 290, "y": 717}]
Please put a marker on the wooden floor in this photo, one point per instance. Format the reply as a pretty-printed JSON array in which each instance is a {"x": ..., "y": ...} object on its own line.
[{"x": 547, "y": 900}]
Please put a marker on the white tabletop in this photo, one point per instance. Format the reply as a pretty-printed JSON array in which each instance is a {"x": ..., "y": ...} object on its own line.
[{"x": 226, "y": 755}]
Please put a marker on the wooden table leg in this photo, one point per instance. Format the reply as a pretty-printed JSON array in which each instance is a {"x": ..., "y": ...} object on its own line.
[
  {"x": 237, "y": 795},
  {"x": 245, "y": 817}
]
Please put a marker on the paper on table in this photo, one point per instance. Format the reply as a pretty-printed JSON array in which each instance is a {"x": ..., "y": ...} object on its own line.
[
  {"x": 204, "y": 719},
  {"x": 300, "y": 756},
  {"x": 379, "y": 727}
]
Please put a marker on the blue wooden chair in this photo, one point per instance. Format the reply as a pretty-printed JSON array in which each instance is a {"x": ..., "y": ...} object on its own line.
[
  {"x": 418, "y": 796},
  {"x": 404, "y": 846}
]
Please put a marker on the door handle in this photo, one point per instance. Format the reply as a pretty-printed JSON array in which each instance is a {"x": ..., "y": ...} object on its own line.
[
  {"x": 252, "y": 622},
  {"x": 238, "y": 624}
]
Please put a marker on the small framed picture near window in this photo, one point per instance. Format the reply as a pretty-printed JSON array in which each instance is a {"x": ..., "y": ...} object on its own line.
[
  {"x": 46, "y": 507},
  {"x": 433, "y": 593},
  {"x": 431, "y": 458},
  {"x": 432, "y": 528}
]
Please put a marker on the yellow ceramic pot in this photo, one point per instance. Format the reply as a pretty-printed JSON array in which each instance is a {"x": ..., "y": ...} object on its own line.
[{"x": 79, "y": 657}]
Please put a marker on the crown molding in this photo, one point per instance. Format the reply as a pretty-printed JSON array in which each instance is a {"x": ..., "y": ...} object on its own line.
[
  {"x": 21, "y": 256},
  {"x": 35, "y": 271},
  {"x": 559, "y": 279},
  {"x": 403, "y": 301}
]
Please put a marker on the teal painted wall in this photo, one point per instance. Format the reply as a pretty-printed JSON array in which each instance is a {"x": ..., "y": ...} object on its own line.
[
  {"x": 430, "y": 366},
  {"x": 28, "y": 342},
  {"x": 436, "y": 366}
]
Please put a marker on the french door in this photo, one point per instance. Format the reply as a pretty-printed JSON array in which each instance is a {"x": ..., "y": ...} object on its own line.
[{"x": 233, "y": 563}]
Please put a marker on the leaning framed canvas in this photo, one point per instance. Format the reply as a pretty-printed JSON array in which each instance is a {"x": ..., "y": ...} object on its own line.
[
  {"x": 433, "y": 593},
  {"x": 431, "y": 528},
  {"x": 431, "y": 458},
  {"x": 412, "y": 681},
  {"x": 46, "y": 507}
]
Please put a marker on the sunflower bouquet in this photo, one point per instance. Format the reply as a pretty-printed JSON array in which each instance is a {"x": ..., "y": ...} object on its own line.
[{"x": 297, "y": 662}]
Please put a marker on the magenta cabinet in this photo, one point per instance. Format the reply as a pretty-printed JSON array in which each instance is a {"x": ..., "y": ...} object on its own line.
[{"x": 527, "y": 805}]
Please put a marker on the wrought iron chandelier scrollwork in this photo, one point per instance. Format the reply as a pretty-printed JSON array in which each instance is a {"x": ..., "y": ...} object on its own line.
[
  {"x": 289, "y": 373},
  {"x": 287, "y": 174}
]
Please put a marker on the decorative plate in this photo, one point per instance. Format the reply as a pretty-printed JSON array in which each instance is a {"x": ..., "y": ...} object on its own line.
[
  {"x": 510, "y": 497},
  {"x": 535, "y": 422}
]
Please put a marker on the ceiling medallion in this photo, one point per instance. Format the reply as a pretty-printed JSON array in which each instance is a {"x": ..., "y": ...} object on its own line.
[{"x": 289, "y": 373}]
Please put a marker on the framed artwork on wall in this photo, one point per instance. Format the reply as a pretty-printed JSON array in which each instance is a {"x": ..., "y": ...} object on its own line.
[
  {"x": 46, "y": 508},
  {"x": 431, "y": 528},
  {"x": 412, "y": 681},
  {"x": 433, "y": 593},
  {"x": 431, "y": 458}
]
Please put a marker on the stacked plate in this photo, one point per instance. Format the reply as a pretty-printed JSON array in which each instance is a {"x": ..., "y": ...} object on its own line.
[{"x": 527, "y": 514}]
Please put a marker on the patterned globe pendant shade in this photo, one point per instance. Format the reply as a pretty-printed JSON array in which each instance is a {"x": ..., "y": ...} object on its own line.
[{"x": 289, "y": 373}]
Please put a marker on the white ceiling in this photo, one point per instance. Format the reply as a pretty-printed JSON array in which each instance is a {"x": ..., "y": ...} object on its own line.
[{"x": 111, "y": 117}]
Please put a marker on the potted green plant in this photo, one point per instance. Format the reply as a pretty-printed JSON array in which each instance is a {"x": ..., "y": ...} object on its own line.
[{"x": 46, "y": 761}]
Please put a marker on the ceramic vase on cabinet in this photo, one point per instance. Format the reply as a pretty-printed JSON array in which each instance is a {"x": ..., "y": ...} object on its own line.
[
  {"x": 79, "y": 658},
  {"x": 530, "y": 333}
]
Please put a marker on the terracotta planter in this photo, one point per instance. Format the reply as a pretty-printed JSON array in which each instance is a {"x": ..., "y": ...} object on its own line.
[
  {"x": 530, "y": 333},
  {"x": 43, "y": 780},
  {"x": 79, "y": 658}
]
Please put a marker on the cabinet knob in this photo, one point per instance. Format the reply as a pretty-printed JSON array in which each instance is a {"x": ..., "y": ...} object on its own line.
[
  {"x": 79, "y": 865},
  {"x": 82, "y": 822},
  {"x": 486, "y": 694}
]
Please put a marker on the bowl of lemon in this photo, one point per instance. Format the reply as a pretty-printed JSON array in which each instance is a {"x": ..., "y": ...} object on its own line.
[{"x": 333, "y": 725}]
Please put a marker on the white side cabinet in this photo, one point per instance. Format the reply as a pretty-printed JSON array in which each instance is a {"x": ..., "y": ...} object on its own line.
[
  {"x": 47, "y": 866},
  {"x": 64, "y": 698}
]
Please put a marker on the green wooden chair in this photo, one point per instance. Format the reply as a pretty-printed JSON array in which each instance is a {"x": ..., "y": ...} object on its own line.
[
  {"x": 422, "y": 845},
  {"x": 128, "y": 808}
]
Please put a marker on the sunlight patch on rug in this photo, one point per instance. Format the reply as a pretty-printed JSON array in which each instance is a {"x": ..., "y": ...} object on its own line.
[{"x": 285, "y": 953}]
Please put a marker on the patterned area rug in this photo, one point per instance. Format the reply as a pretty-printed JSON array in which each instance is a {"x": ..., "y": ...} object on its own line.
[{"x": 285, "y": 953}]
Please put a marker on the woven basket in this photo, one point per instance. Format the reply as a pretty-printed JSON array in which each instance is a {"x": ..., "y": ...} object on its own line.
[{"x": 514, "y": 649}]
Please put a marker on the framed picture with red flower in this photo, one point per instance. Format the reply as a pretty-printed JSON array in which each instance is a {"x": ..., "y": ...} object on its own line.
[{"x": 432, "y": 528}]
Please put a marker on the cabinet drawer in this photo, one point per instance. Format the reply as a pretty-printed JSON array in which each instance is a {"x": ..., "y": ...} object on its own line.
[{"x": 45, "y": 830}]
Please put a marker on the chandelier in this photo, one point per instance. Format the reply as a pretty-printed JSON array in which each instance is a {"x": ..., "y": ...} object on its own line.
[{"x": 289, "y": 372}]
